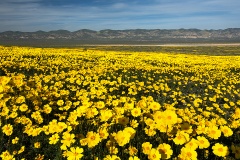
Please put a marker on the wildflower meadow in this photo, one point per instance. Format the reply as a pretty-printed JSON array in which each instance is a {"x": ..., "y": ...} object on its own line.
[{"x": 90, "y": 104}]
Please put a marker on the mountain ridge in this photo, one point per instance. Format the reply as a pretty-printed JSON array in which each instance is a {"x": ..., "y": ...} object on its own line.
[{"x": 123, "y": 36}]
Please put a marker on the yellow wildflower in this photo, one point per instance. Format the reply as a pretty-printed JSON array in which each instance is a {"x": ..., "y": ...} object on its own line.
[{"x": 220, "y": 150}]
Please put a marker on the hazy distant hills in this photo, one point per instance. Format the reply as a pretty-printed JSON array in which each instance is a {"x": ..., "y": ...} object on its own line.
[{"x": 134, "y": 36}]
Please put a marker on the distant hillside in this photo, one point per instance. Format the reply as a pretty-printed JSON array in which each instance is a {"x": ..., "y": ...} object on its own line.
[{"x": 134, "y": 36}]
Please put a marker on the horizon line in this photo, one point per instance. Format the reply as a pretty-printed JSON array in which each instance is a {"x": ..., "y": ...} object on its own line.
[{"x": 118, "y": 30}]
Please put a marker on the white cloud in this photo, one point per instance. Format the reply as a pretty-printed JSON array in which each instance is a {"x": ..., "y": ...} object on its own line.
[{"x": 33, "y": 15}]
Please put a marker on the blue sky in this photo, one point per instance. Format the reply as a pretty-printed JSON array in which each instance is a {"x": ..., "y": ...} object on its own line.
[{"x": 72, "y": 15}]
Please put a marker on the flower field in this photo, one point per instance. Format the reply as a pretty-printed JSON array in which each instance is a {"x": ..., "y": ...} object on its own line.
[{"x": 108, "y": 105}]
